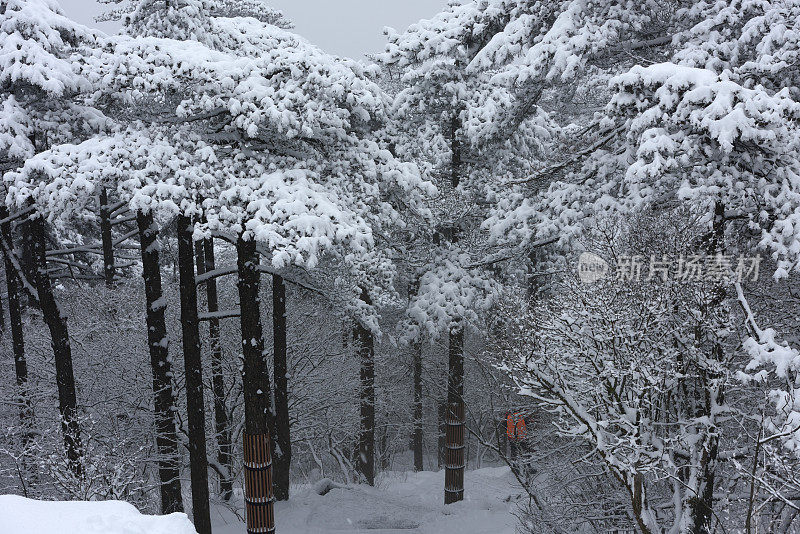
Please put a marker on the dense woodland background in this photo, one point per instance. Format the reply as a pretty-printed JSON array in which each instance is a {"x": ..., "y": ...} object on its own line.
[{"x": 215, "y": 232}]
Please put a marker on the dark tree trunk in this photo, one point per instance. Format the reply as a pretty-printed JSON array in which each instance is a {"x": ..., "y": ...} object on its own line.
[
  {"x": 105, "y": 235},
  {"x": 13, "y": 285},
  {"x": 416, "y": 408},
  {"x": 455, "y": 149},
  {"x": 59, "y": 336},
  {"x": 2, "y": 317},
  {"x": 364, "y": 344},
  {"x": 259, "y": 497},
  {"x": 417, "y": 434},
  {"x": 454, "y": 454},
  {"x": 164, "y": 404},
  {"x": 501, "y": 435},
  {"x": 283, "y": 444},
  {"x": 535, "y": 278},
  {"x": 205, "y": 263},
  {"x": 193, "y": 364},
  {"x": 454, "y": 439},
  {"x": 702, "y": 505},
  {"x": 441, "y": 442}
]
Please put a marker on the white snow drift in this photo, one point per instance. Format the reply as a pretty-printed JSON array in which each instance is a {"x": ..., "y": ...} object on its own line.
[{"x": 19, "y": 515}]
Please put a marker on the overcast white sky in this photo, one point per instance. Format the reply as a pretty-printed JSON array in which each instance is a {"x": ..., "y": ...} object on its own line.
[{"x": 343, "y": 27}]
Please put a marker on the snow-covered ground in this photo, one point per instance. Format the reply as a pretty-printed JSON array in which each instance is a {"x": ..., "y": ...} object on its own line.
[
  {"x": 401, "y": 503},
  {"x": 19, "y": 515}
]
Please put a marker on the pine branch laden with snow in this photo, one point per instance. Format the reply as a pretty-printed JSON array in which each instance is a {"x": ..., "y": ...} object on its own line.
[
  {"x": 182, "y": 20},
  {"x": 150, "y": 173},
  {"x": 714, "y": 121},
  {"x": 757, "y": 40},
  {"x": 685, "y": 132},
  {"x": 772, "y": 359},
  {"x": 129, "y": 10},
  {"x": 449, "y": 292},
  {"x": 302, "y": 118},
  {"x": 41, "y": 84},
  {"x": 35, "y": 43},
  {"x": 16, "y": 131},
  {"x": 497, "y": 58},
  {"x": 257, "y": 9},
  {"x": 708, "y": 137}
]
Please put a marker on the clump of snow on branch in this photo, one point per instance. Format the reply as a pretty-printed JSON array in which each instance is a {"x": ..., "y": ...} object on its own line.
[
  {"x": 772, "y": 359},
  {"x": 34, "y": 38},
  {"x": 450, "y": 292}
]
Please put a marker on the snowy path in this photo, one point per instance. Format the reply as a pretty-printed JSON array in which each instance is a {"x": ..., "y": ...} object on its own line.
[{"x": 401, "y": 503}]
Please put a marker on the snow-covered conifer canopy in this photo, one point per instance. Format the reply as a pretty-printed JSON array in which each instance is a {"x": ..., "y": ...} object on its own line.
[{"x": 268, "y": 136}]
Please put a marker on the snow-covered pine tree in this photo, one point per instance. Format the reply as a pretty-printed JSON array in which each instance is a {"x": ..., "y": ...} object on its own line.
[
  {"x": 305, "y": 184},
  {"x": 110, "y": 64},
  {"x": 152, "y": 175},
  {"x": 456, "y": 108},
  {"x": 42, "y": 88},
  {"x": 220, "y": 25},
  {"x": 437, "y": 86},
  {"x": 274, "y": 185},
  {"x": 187, "y": 20},
  {"x": 257, "y": 9}
]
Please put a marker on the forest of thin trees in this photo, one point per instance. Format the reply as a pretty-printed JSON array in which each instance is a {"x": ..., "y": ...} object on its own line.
[{"x": 561, "y": 237}]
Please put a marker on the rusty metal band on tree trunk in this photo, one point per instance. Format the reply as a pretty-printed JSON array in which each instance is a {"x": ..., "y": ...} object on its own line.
[
  {"x": 454, "y": 449},
  {"x": 258, "y": 484}
]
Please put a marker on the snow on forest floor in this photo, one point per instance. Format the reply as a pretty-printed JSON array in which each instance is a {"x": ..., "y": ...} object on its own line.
[
  {"x": 19, "y": 515},
  {"x": 401, "y": 503}
]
